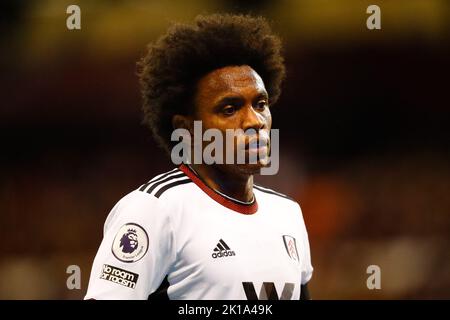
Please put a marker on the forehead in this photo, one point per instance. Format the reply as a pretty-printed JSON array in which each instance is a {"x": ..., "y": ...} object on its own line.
[{"x": 230, "y": 79}]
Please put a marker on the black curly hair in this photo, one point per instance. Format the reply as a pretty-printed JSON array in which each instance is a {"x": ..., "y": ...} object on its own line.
[{"x": 170, "y": 70}]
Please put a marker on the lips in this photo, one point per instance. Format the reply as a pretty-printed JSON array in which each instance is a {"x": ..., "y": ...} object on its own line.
[{"x": 257, "y": 143}]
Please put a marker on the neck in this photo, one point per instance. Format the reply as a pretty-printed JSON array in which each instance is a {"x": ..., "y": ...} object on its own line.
[{"x": 238, "y": 186}]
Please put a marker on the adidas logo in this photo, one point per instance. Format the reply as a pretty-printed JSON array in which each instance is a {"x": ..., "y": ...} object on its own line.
[{"x": 222, "y": 250}]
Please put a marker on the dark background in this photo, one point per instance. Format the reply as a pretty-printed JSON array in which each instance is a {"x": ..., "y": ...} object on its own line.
[{"x": 363, "y": 122}]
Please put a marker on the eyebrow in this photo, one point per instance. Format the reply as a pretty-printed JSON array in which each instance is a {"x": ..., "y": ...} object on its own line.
[
  {"x": 263, "y": 94},
  {"x": 236, "y": 99},
  {"x": 229, "y": 100}
]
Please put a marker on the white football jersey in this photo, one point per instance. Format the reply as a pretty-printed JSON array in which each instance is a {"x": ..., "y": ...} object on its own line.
[{"x": 175, "y": 237}]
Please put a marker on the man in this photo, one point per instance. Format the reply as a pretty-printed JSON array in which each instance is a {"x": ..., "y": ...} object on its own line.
[{"x": 207, "y": 231}]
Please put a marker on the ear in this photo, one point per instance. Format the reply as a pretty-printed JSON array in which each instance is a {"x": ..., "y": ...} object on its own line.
[{"x": 185, "y": 122}]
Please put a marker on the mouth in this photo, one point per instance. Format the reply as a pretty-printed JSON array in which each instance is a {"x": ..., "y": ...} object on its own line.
[{"x": 256, "y": 144}]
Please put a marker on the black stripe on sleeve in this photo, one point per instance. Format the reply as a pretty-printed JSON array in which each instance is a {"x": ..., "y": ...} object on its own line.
[
  {"x": 156, "y": 184},
  {"x": 158, "y": 179},
  {"x": 171, "y": 185}
]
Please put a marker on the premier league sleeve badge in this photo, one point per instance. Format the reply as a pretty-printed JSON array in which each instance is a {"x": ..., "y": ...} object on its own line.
[{"x": 130, "y": 243}]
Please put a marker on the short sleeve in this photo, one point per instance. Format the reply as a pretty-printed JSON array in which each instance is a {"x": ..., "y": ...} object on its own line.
[{"x": 136, "y": 252}]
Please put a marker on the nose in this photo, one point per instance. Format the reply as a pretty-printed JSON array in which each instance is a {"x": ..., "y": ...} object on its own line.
[{"x": 252, "y": 119}]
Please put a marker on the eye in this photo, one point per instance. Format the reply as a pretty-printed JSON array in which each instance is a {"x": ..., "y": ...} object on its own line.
[
  {"x": 261, "y": 105},
  {"x": 229, "y": 110}
]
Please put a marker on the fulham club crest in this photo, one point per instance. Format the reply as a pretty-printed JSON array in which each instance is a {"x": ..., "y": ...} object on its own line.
[{"x": 291, "y": 247}]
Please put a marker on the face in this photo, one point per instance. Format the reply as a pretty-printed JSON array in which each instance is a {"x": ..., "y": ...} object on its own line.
[{"x": 234, "y": 97}]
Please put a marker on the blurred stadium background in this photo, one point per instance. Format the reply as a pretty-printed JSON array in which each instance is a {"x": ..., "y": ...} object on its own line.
[{"x": 363, "y": 122}]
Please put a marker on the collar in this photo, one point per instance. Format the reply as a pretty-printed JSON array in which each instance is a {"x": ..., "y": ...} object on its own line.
[{"x": 224, "y": 200}]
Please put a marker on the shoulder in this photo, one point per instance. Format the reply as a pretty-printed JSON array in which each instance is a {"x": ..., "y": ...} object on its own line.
[
  {"x": 276, "y": 199},
  {"x": 173, "y": 179},
  {"x": 150, "y": 193},
  {"x": 274, "y": 195},
  {"x": 147, "y": 201}
]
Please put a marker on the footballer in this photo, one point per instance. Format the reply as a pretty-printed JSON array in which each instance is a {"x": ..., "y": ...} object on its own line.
[{"x": 206, "y": 231}]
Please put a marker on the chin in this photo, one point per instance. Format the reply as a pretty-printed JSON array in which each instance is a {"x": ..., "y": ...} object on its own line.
[{"x": 251, "y": 169}]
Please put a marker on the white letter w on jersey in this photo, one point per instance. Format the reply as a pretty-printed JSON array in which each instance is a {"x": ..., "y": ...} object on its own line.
[{"x": 268, "y": 291}]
